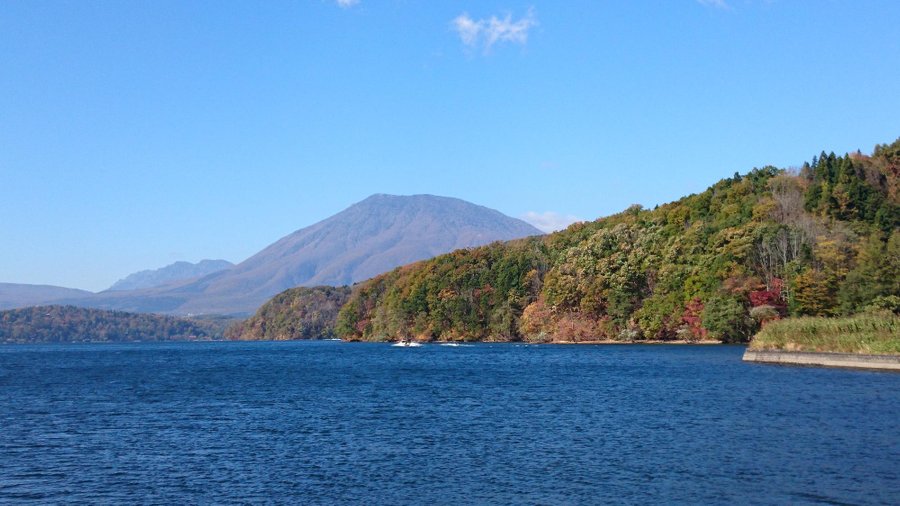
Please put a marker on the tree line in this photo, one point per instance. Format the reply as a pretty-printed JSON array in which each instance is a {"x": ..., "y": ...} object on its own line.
[{"x": 70, "y": 324}]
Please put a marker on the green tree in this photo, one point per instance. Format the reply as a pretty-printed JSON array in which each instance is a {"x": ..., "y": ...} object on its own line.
[{"x": 727, "y": 319}]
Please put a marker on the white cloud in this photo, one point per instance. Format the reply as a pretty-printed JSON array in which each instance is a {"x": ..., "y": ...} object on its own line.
[
  {"x": 719, "y": 4},
  {"x": 550, "y": 221},
  {"x": 346, "y": 4},
  {"x": 485, "y": 33},
  {"x": 468, "y": 29}
]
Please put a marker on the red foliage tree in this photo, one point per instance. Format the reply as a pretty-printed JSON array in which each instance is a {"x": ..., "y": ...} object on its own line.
[
  {"x": 693, "y": 317},
  {"x": 771, "y": 297}
]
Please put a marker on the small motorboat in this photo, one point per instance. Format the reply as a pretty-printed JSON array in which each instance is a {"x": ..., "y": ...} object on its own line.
[{"x": 407, "y": 344}]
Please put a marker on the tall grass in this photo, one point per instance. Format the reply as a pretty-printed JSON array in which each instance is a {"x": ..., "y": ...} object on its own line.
[{"x": 872, "y": 333}]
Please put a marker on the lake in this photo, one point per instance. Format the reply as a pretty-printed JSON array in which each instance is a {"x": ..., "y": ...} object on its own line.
[{"x": 340, "y": 423}]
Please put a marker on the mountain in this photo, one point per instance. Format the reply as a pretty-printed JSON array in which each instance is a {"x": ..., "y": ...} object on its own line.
[
  {"x": 178, "y": 271},
  {"x": 17, "y": 295},
  {"x": 375, "y": 235}
]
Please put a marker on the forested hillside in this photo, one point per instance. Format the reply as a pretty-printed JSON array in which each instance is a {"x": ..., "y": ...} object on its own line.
[
  {"x": 820, "y": 240},
  {"x": 69, "y": 324},
  {"x": 297, "y": 313}
]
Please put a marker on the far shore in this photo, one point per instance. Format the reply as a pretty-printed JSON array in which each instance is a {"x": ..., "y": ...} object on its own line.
[
  {"x": 655, "y": 341},
  {"x": 593, "y": 342}
]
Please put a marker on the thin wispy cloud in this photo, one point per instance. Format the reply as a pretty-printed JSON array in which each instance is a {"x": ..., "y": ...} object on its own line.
[
  {"x": 346, "y": 4},
  {"x": 485, "y": 33},
  {"x": 719, "y": 4},
  {"x": 550, "y": 221}
]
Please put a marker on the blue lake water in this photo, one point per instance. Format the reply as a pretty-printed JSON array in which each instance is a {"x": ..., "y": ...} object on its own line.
[{"x": 333, "y": 423}]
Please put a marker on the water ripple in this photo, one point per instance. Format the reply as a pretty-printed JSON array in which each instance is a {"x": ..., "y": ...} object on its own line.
[{"x": 337, "y": 423}]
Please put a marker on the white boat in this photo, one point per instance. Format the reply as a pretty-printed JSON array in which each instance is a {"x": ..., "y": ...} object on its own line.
[
  {"x": 407, "y": 344},
  {"x": 450, "y": 344}
]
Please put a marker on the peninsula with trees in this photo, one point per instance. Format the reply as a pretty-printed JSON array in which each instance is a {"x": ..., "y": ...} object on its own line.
[{"x": 822, "y": 240}]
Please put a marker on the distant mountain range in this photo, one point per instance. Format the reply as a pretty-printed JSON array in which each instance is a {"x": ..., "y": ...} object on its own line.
[
  {"x": 368, "y": 238},
  {"x": 178, "y": 271}
]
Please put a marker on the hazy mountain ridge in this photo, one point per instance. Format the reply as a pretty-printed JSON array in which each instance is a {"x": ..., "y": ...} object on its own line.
[
  {"x": 14, "y": 295},
  {"x": 178, "y": 271}
]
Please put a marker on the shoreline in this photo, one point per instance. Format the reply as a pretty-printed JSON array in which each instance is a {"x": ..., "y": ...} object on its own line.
[
  {"x": 706, "y": 342},
  {"x": 596, "y": 342},
  {"x": 822, "y": 359},
  {"x": 656, "y": 341}
]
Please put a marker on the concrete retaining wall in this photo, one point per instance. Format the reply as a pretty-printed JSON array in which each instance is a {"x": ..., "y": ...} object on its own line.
[{"x": 888, "y": 362}]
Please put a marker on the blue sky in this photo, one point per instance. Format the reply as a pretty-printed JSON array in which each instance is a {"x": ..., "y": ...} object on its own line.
[{"x": 134, "y": 134}]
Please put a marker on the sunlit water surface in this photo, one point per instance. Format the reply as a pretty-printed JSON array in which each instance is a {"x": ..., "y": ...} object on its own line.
[{"x": 331, "y": 423}]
